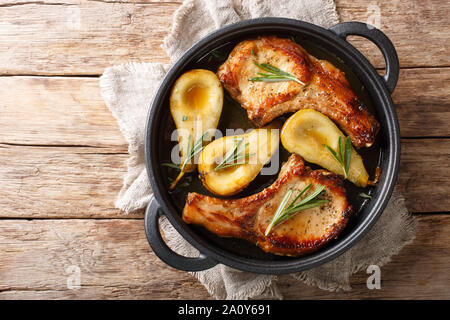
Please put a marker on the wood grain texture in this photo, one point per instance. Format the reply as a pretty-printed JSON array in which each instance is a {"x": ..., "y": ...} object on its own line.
[
  {"x": 62, "y": 155},
  {"x": 422, "y": 101},
  {"x": 81, "y": 38},
  {"x": 419, "y": 30},
  {"x": 420, "y": 271},
  {"x": 115, "y": 262},
  {"x": 113, "y": 256},
  {"x": 425, "y": 174},
  {"x": 82, "y": 182},
  {"x": 71, "y": 111},
  {"x": 9, "y": 3},
  {"x": 57, "y": 111},
  {"x": 60, "y": 182},
  {"x": 73, "y": 38}
]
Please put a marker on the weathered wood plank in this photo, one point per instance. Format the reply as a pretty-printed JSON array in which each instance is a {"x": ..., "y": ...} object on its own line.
[
  {"x": 422, "y": 100},
  {"x": 419, "y": 272},
  {"x": 7, "y": 3},
  {"x": 71, "y": 111},
  {"x": 81, "y": 38},
  {"x": 56, "y": 111},
  {"x": 85, "y": 37},
  {"x": 418, "y": 43},
  {"x": 113, "y": 256},
  {"x": 425, "y": 173},
  {"x": 115, "y": 262},
  {"x": 60, "y": 182},
  {"x": 83, "y": 182},
  {"x": 11, "y": 3}
]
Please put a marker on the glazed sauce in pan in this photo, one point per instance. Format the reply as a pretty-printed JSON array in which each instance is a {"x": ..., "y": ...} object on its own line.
[
  {"x": 235, "y": 117},
  {"x": 197, "y": 97}
]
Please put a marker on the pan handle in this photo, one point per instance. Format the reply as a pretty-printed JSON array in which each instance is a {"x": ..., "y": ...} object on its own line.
[
  {"x": 381, "y": 40},
  {"x": 161, "y": 249}
]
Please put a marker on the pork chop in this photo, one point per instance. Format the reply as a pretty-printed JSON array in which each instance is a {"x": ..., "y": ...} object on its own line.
[
  {"x": 248, "y": 218},
  {"x": 326, "y": 88}
]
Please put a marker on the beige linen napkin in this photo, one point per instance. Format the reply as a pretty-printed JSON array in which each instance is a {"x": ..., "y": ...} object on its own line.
[{"x": 128, "y": 90}]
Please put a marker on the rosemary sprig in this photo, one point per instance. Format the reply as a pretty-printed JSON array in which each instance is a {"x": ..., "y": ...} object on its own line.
[
  {"x": 220, "y": 56},
  {"x": 365, "y": 195},
  {"x": 192, "y": 150},
  {"x": 187, "y": 181},
  {"x": 170, "y": 165},
  {"x": 232, "y": 157},
  {"x": 273, "y": 74},
  {"x": 342, "y": 154},
  {"x": 283, "y": 213}
]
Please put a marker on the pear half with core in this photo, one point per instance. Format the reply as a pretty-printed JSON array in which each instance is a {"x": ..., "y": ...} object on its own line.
[
  {"x": 227, "y": 165},
  {"x": 196, "y": 104},
  {"x": 308, "y": 131}
]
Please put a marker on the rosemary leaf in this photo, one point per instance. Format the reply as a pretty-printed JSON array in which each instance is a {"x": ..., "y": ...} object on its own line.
[
  {"x": 231, "y": 158},
  {"x": 299, "y": 195},
  {"x": 231, "y": 165},
  {"x": 220, "y": 56},
  {"x": 273, "y": 69},
  {"x": 187, "y": 181},
  {"x": 365, "y": 195},
  {"x": 348, "y": 152},
  {"x": 170, "y": 165},
  {"x": 191, "y": 152},
  {"x": 268, "y": 79},
  {"x": 343, "y": 154},
  {"x": 313, "y": 195},
  {"x": 273, "y": 74},
  {"x": 341, "y": 149},
  {"x": 279, "y": 211},
  {"x": 333, "y": 153},
  {"x": 308, "y": 202},
  {"x": 289, "y": 214}
]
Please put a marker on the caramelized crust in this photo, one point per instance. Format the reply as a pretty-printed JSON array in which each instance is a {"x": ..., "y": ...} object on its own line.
[
  {"x": 248, "y": 218},
  {"x": 326, "y": 88}
]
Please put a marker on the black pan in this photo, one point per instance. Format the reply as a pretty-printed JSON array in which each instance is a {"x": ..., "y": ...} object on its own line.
[{"x": 373, "y": 89}]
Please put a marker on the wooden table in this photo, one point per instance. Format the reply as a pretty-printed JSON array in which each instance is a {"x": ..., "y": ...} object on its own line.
[{"x": 62, "y": 155}]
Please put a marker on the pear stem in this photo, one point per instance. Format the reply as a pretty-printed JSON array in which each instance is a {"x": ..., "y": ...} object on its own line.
[{"x": 175, "y": 182}]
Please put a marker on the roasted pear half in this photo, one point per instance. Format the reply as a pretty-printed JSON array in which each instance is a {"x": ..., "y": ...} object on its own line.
[
  {"x": 227, "y": 165},
  {"x": 196, "y": 104},
  {"x": 308, "y": 132}
]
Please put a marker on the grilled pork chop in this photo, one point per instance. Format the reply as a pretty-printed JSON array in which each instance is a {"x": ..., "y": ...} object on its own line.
[
  {"x": 248, "y": 218},
  {"x": 326, "y": 88}
]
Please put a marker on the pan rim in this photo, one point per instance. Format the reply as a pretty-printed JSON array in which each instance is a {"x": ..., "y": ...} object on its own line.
[{"x": 366, "y": 73}]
